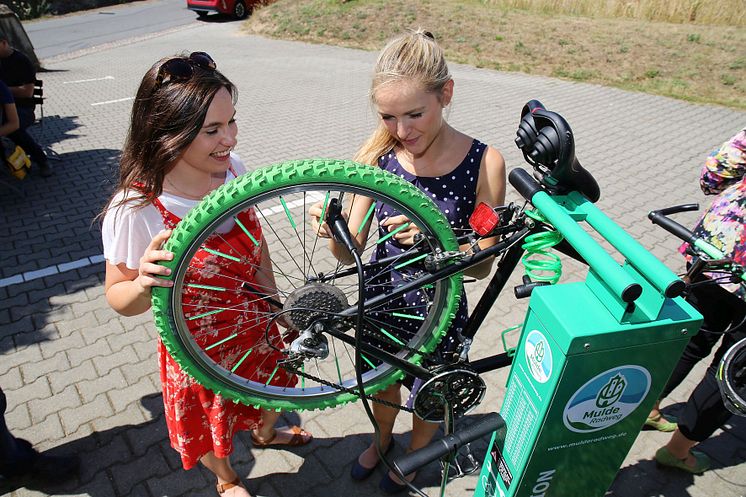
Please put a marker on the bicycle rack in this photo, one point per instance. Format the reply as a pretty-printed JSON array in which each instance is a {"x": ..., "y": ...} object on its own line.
[{"x": 592, "y": 359}]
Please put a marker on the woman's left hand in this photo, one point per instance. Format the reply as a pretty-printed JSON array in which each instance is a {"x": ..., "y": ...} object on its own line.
[{"x": 408, "y": 230}]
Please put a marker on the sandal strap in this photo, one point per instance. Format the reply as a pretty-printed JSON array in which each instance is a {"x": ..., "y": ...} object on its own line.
[
  {"x": 222, "y": 487},
  {"x": 263, "y": 442}
]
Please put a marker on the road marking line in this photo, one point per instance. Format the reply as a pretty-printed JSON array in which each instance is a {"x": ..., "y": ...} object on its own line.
[
  {"x": 86, "y": 80},
  {"x": 51, "y": 270},
  {"x": 113, "y": 101}
]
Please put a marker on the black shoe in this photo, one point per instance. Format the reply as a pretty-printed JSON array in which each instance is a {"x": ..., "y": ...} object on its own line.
[
  {"x": 45, "y": 170},
  {"x": 360, "y": 472},
  {"x": 389, "y": 486}
]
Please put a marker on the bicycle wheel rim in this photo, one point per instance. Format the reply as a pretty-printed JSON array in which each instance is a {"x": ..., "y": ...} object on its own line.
[{"x": 278, "y": 187}]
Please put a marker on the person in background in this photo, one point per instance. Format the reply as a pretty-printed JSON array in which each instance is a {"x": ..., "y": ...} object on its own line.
[
  {"x": 9, "y": 120},
  {"x": 722, "y": 306},
  {"x": 19, "y": 74},
  {"x": 21, "y": 464},
  {"x": 411, "y": 88},
  {"x": 179, "y": 149}
]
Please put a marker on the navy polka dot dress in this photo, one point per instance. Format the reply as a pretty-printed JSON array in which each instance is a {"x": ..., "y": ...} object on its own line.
[{"x": 455, "y": 194}]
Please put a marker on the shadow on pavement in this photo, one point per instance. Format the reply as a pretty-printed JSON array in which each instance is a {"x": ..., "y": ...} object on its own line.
[
  {"x": 122, "y": 461},
  {"x": 727, "y": 448},
  {"x": 51, "y": 221}
]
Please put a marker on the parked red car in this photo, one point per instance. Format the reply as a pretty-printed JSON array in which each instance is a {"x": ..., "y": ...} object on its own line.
[{"x": 237, "y": 8}]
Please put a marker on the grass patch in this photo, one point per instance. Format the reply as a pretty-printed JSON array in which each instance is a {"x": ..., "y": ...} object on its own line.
[{"x": 663, "y": 58}]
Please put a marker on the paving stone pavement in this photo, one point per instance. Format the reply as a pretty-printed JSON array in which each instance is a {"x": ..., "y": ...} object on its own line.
[{"x": 79, "y": 378}]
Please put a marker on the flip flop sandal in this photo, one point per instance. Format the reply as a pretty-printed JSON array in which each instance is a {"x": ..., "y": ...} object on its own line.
[
  {"x": 661, "y": 424},
  {"x": 702, "y": 462},
  {"x": 298, "y": 438}
]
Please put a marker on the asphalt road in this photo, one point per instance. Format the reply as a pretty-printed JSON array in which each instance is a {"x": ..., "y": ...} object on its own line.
[{"x": 81, "y": 31}]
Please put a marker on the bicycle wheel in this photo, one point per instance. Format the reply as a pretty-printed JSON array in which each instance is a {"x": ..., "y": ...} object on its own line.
[{"x": 224, "y": 334}]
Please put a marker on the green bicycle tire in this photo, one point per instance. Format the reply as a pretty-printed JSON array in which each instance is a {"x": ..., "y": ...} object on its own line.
[{"x": 264, "y": 183}]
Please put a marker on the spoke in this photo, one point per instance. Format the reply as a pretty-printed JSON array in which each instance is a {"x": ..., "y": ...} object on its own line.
[
  {"x": 210, "y": 313},
  {"x": 390, "y": 336},
  {"x": 284, "y": 246},
  {"x": 321, "y": 220},
  {"x": 206, "y": 287},
  {"x": 221, "y": 342},
  {"x": 411, "y": 261},
  {"x": 367, "y": 216},
  {"x": 336, "y": 361},
  {"x": 220, "y": 254},
  {"x": 243, "y": 228},
  {"x": 394, "y": 232},
  {"x": 369, "y": 362},
  {"x": 274, "y": 372},
  {"x": 299, "y": 203},
  {"x": 234, "y": 368},
  {"x": 408, "y": 316}
]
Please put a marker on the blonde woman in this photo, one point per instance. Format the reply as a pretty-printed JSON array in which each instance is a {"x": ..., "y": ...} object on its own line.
[{"x": 411, "y": 88}]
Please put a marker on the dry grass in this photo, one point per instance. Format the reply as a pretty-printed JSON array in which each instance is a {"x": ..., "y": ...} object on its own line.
[
  {"x": 726, "y": 12},
  {"x": 696, "y": 62}
]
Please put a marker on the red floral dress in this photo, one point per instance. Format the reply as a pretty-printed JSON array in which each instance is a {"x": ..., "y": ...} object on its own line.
[{"x": 198, "y": 420}]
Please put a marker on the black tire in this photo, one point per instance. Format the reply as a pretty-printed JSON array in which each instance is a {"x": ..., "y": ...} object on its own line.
[
  {"x": 240, "y": 11},
  {"x": 280, "y": 196}
]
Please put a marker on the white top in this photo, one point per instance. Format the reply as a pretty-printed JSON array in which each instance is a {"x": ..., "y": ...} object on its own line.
[{"x": 127, "y": 231}]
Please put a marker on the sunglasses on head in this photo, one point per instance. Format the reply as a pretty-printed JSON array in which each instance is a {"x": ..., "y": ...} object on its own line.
[{"x": 182, "y": 69}]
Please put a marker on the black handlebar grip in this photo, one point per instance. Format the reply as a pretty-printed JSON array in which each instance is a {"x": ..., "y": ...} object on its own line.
[
  {"x": 524, "y": 183},
  {"x": 414, "y": 460},
  {"x": 678, "y": 208},
  {"x": 657, "y": 217},
  {"x": 525, "y": 290}
]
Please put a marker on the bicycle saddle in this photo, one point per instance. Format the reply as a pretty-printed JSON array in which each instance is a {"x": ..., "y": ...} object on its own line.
[{"x": 547, "y": 143}]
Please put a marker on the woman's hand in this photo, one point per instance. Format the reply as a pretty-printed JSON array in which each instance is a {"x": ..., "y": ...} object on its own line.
[
  {"x": 128, "y": 290},
  {"x": 319, "y": 227},
  {"x": 149, "y": 269},
  {"x": 407, "y": 229}
]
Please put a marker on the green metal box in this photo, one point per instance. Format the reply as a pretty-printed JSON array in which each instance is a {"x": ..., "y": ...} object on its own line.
[{"x": 582, "y": 382}]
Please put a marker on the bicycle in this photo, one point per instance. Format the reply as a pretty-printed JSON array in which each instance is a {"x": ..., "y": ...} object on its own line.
[
  {"x": 706, "y": 259},
  {"x": 329, "y": 334}
]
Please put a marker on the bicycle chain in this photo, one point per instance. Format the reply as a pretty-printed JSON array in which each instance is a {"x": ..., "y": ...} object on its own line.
[
  {"x": 348, "y": 390},
  {"x": 366, "y": 332}
]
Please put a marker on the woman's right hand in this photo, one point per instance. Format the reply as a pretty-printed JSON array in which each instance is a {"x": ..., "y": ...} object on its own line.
[{"x": 149, "y": 270}]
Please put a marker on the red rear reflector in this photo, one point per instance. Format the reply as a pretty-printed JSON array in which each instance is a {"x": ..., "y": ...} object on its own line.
[{"x": 484, "y": 219}]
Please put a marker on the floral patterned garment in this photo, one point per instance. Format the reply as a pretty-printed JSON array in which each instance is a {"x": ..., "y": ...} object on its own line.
[
  {"x": 198, "y": 420},
  {"x": 724, "y": 174}
]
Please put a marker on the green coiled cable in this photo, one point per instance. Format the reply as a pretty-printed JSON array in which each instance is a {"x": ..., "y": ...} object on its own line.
[{"x": 541, "y": 264}]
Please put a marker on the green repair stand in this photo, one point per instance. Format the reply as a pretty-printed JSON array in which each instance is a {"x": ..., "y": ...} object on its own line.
[{"x": 589, "y": 365}]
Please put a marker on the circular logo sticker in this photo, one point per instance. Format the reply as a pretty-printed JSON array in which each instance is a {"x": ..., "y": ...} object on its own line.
[
  {"x": 606, "y": 399},
  {"x": 538, "y": 356}
]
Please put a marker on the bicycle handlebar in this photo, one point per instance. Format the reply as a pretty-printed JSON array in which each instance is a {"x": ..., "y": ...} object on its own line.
[
  {"x": 659, "y": 217},
  {"x": 409, "y": 463}
]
